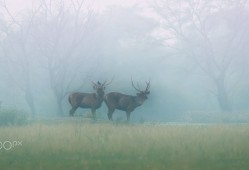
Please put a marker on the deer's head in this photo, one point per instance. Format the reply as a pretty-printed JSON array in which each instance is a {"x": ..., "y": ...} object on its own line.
[
  {"x": 100, "y": 88},
  {"x": 142, "y": 94}
]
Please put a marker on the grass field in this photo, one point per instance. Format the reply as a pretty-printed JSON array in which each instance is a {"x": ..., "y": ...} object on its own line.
[{"x": 82, "y": 145}]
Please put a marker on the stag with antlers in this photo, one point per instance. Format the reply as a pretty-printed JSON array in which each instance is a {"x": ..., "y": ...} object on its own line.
[
  {"x": 127, "y": 103},
  {"x": 88, "y": 100}
]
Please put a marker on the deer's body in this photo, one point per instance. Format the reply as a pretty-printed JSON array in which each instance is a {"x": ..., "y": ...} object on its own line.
[
  {"x": 122, "y": 101},
  {"x": 127, "y": 103},
  {"x": 87, "y": 100},
  {"x": 84, "y": 100}
]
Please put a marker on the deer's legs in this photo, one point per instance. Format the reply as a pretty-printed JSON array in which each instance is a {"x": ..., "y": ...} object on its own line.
[
  {"x": 71, "y": 112},
  {"x": 110, "y": 112},
  {"x": 94, "y": 113},
  {"x": 128, "y": 116}
]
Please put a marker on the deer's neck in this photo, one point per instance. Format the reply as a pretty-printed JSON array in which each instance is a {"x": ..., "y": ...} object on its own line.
[
  {"x": 99, "y": 98},
  {"x": 138, "y": 101}
]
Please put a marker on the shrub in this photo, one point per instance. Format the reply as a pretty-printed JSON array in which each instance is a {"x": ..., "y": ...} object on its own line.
[{"x": 12, "y": 117}]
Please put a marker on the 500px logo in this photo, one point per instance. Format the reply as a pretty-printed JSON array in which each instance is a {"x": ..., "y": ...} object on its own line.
[{"x": 7, "y": 145}]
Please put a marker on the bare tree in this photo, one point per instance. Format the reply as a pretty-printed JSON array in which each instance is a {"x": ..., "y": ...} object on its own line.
[
  {"x": 17, "y": 54},
  {"x": 59, "y": 32},
  {"x": 51, "y": 36},
  {"x": 213, "y": 35}
]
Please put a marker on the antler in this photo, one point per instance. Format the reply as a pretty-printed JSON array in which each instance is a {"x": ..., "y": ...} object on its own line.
[
  {"x": 147, "y": 86},
  {"x": 103, "y": 84},
  {"x": 94, "y": 83},
  {"x": 138, "y": 87},
  {"x": 106, "y": 84},
  {"x": 97, "y": 85},
  {"x": 135, "y": 86}
]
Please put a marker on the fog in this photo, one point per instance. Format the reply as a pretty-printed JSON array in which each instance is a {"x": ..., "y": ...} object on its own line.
[{"x": 194, "y": 53}]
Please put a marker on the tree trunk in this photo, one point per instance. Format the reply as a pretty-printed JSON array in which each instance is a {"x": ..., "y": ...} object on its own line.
[
  {"x": 59, "y": 106},
  {"x": 30, "y": 101},
  {"x": 222, "y": 95}
]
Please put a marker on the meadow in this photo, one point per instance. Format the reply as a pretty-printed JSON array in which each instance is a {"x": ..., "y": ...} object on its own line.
[{"x": 80, "y": 144}]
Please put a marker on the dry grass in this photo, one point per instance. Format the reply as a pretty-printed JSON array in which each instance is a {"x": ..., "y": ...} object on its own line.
[{"x": 81, "y": 145}]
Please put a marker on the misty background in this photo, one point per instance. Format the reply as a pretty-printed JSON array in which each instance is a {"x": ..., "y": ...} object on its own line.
[{"x": 194, "y": 53}]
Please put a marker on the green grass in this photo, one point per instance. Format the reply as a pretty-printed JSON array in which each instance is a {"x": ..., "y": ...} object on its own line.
[{"x": 71, "y": 144}]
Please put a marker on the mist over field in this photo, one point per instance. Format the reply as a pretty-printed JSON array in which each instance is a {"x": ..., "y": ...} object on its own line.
[
  {"x": 177, "y": 68},
  {"x": 194, "y": 53}
]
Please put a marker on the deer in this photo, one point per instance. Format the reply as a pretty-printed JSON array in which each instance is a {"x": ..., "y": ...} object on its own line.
[
  {"x": 88, "y": 100},
  {"x": 127, "y": 103}
]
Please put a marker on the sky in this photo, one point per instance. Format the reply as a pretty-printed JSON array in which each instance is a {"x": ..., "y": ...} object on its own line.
[{"x": 18, "y": 5}]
